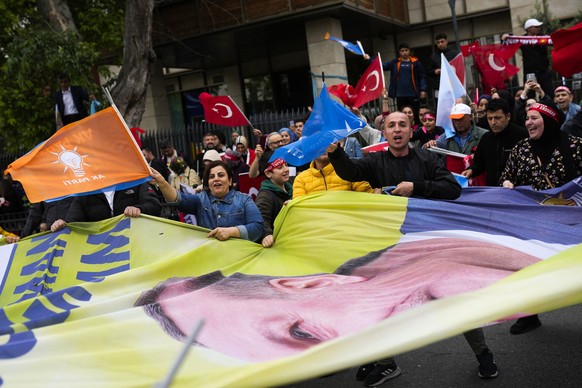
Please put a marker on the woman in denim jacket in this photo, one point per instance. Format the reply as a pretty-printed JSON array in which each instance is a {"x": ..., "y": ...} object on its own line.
[
  {"x": 225, "y": 211},
  {"x": 352, "y": 147}
]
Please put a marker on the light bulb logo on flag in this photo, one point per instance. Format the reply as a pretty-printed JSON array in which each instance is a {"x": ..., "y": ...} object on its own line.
[{"x": 71, "y": 159}]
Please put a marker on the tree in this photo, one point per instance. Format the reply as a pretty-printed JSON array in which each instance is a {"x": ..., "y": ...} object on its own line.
[
  {"x": 129, "y": 93},
  {"x": 41, "y": 39}
]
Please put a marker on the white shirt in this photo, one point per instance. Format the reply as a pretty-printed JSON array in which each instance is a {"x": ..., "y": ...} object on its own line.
[{"x": 70, "y": 108}]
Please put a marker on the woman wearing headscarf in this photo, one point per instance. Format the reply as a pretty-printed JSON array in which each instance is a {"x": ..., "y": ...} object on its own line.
[
  {"x": 288, "y": 136},
  {"x": 548, "y": 158}
]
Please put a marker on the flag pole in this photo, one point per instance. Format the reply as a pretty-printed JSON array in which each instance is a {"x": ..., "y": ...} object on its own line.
[
  {"x": 110, "y": 99},
  {"x": 181, "y": 356}
]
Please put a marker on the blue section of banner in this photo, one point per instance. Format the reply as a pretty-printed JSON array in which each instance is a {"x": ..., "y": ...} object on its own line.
[{"x": 503, "y": 212}]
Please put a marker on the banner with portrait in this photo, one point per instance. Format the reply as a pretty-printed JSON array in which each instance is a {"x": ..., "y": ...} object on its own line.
[{"x": 352, "y": 277}]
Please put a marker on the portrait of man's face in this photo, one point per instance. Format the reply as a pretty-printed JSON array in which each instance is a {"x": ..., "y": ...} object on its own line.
[{"x": 259, "y": 318}]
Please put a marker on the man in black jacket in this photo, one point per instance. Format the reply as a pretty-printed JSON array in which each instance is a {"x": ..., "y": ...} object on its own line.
[
  {"x": 434, "y": 72},
  {"x": 494, "y": 147},
  {"x": 408, "y": 172},
  {"x": 413, "y": 172},
  {"x": 535, "y": 57},
  {"x": 96, "y": 207},
  {"x": 70, "y": 101}
]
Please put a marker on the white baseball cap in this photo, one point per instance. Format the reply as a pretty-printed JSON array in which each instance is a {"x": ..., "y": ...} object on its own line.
[
  {"x": 459, "y": 111},
  {"x": 532, "y": 23},
  {"x": 212, "y": 155}
]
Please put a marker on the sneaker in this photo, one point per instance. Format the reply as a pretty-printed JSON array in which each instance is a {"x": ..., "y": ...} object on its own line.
[
  {"x": 487, "y": 367},
  {"x": 364, "y": 371},
  {"x": 525, "y": 324},
  {"x": 381, "y": 373}
]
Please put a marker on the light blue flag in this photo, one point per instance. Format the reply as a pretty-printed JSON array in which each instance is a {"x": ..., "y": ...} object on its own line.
[
  {"x": 328, "y": 123},
  {"x": 462, "y": 180},
  {"x": 354, "y": 48},
  {"x": 450, "y": 89}
]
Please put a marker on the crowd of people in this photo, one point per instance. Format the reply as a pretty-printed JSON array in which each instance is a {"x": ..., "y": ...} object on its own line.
[{"x": 528, "y": 139}]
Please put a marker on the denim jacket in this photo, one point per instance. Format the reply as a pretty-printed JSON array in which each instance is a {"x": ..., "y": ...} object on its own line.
[
  {"x": 235, "y": 209},
  {"x": 353, "y": 148}
]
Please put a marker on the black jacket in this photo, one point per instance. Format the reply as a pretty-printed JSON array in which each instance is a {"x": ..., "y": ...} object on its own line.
[
  {"x": 493, "y": 151},
  {"x": 270, "y": 201},
  {"x": 574, "y": 126},
  {"x": 435, "y": 63},
  {"x": 96, "y": 208},
  {"x": 47, "y": 212},
  {"x": 535, "y": 58},
  {"x": 430, "y": 177},
  {"x": 79, "y": 96}
]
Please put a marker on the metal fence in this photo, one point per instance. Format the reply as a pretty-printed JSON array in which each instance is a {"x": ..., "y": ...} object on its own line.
[{"x": 189, "y": 139}]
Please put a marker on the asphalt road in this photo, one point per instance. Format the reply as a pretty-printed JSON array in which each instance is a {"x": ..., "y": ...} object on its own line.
[{"x": 550, "y": 356}]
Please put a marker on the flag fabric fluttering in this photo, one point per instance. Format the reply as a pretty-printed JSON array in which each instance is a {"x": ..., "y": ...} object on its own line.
[
  {"x": 354, "y": 48},
  {"x": 328, "y": 123},
  {"x": 92, "y": 155},
  {"x": 567, "y": 48},
  {"x": 371, "y": 84},
  {"x": 492, "y": 62},
  {"x": 369, "y": 87},
  {"x": 222, "y": 110},
  {"x": 450, "y": 89},
  {"x": 459, "y": 65},
  {"x": 346, "y": 93}
]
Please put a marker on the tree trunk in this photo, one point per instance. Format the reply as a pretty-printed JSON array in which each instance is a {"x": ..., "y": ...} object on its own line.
[
  {"x": 129, "y": 93},
  {"x": 58, "y": 14}
]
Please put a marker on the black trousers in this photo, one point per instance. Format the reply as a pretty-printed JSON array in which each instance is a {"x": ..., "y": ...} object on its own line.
[{"x": 68, "y": 119}]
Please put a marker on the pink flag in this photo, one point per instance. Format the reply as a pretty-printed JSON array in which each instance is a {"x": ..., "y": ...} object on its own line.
[
  {"x": 222, "y": 110},
  {"x": 371, "y": 83}
]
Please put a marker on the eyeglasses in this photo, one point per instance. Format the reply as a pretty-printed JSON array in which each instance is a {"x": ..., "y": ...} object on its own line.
[{"x": 277, "y": 142}]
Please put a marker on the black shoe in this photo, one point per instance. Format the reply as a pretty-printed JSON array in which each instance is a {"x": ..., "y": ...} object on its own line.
[
  {"x": 364, "y": 371},
  {"x": 487, "y": 367},
  {"x": 381, "y": 373},
  {"x": 525, "y": 324}
]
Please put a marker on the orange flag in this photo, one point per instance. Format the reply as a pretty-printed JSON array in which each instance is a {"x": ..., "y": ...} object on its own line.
[{"x": 87, "y": 156}]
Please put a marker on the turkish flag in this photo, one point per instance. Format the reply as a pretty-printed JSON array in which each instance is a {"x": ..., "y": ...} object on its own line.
[
  {"x": 567, "y": 49},
  {"x": 345, "y": 93},
  {"x": 222, "y": 110},
  {"x": 457, "y": 165},
  {"x": 492, "y": 61},
  {"x": 459, "y": 65},
  {"x": 371, "y": 84}
]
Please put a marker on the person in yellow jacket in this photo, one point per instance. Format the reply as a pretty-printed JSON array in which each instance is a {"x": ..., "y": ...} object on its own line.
[{"x": 321, "y": 176}]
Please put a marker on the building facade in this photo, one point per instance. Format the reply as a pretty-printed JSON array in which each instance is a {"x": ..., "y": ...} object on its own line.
[{"x": 270, "y": 55}]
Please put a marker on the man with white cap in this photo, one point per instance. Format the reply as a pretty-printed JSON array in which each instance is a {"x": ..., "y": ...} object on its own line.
[
  {"x": 467, "y": 134},
  {"x": 535, "y": 57}
]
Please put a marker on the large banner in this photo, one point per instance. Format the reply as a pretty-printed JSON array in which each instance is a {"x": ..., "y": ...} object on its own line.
[{"x": 352, "y": 277}]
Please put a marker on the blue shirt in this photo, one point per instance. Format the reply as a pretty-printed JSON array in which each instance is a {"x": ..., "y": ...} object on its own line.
[{"x": 235, "y": 209}]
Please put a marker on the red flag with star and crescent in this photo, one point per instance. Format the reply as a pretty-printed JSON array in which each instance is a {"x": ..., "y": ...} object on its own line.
[
  {"x": 492, "y": 62},
  {"x": 222, "y": 110},
  {"x": 371, "y": 83}
]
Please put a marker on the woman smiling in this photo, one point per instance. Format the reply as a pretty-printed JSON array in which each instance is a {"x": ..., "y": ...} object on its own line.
[
  {"x": 548, "y": 158},
  {"x": 225, "y": 211}
]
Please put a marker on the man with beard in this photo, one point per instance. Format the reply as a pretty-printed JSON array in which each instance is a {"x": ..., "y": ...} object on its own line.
[{"x": 494, "y": 147}]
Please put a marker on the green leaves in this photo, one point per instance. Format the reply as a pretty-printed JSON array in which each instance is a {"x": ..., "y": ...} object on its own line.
[{"x": 32, "y": 54}]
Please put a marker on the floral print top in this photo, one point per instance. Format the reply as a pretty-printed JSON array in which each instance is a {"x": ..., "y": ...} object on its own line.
[{"x": 523, "y": 168}]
